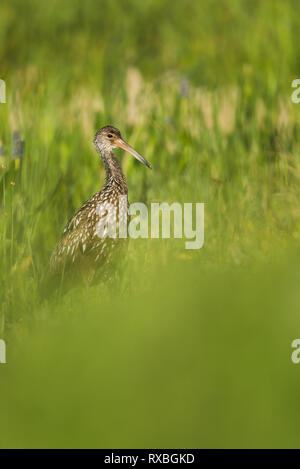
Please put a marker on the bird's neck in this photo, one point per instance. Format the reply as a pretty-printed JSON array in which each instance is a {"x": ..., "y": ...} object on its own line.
[{"x": 114, "y": 173}]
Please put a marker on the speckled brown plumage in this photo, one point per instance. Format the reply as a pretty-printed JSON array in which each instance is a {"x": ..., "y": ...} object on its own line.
[{"x": 80, "y": 252}]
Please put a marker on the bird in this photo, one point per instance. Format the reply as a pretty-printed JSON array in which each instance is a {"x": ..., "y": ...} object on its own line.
[{"x": 86, "y": 251}]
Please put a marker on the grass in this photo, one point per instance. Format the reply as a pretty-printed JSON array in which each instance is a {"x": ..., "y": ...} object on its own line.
[{"x": 188, "y": 348}]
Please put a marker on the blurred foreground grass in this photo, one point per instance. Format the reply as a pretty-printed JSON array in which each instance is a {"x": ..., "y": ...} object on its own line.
[
  {"x": 187, "y": 349},
  {"x": 201, "y": 360}
]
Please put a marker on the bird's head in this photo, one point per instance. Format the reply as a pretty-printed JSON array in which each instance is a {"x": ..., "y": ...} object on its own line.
[{"x": 109, "y": 137}]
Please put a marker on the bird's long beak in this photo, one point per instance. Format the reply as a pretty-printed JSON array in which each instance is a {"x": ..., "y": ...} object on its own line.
[{"x": 120, "y": 143}]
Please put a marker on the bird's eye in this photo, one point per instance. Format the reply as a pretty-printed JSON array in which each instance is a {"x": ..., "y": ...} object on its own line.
[{"x": 109, "y": 135}]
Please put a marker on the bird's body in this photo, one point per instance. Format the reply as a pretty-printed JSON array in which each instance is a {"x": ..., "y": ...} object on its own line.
[{"x": 86, "y": 248}]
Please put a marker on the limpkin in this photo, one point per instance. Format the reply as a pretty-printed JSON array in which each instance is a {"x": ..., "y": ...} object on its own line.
[{"x": 80, "y": 252}]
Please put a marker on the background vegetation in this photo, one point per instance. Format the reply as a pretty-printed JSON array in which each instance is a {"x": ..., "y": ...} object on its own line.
[{"x": 188, "y": 348}]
